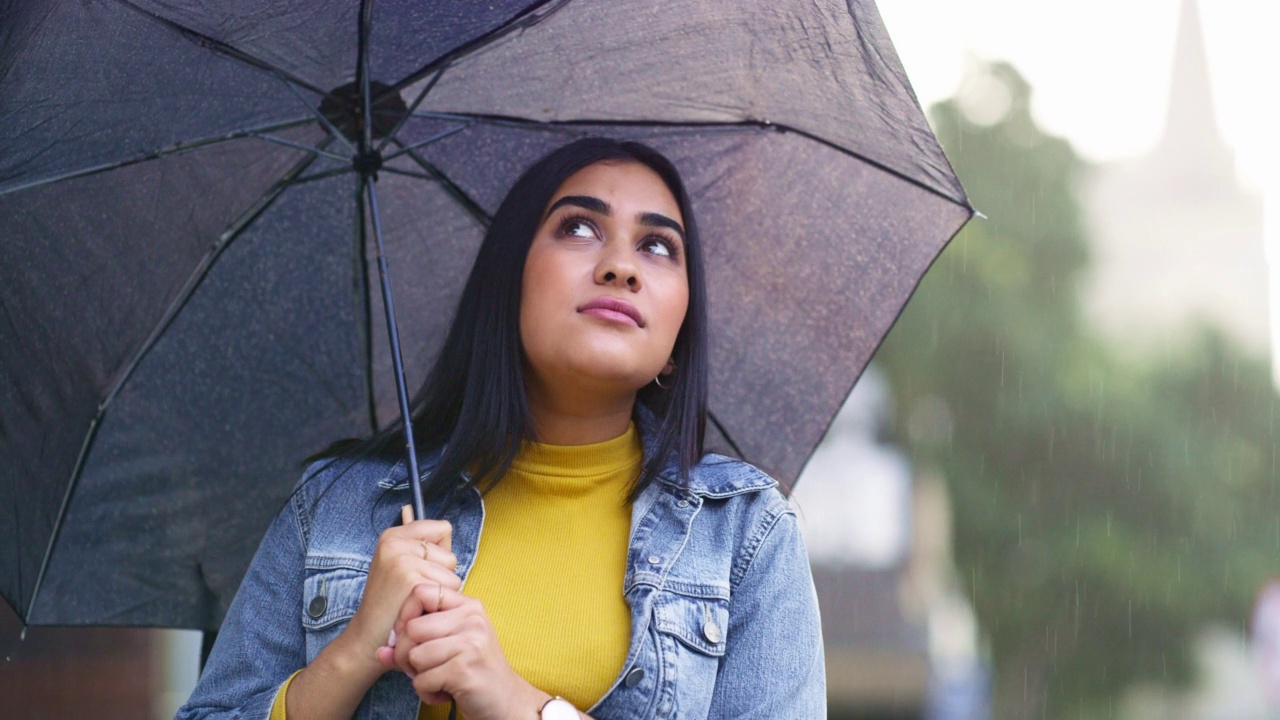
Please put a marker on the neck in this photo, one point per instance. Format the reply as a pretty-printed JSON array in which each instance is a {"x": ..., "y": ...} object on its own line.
[{"x": 578, "y": 418}]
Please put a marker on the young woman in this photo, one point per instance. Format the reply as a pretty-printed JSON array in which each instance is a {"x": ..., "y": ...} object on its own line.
[{"x": 620, "y": 573}]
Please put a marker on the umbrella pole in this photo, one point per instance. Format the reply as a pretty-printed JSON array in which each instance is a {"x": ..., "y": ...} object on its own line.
[
  {"x": 397, "y": 360},
  {"x": 367, "y": 163}
]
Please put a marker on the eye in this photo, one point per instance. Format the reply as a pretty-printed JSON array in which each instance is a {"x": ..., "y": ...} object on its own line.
[
  {"x": 577, "y": 227},
  {"x": 659, "y": 246}
]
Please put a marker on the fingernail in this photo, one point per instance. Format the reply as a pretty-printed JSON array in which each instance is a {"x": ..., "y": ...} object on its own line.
[{"x": 391, "y": 638}]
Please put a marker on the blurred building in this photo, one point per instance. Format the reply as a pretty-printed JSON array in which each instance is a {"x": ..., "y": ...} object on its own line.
[
  {"x": 73, "y": 672},
  {"x": 1176, "y": 238},
  {"x": 50, "y": 673},
  {"x": 900, "y": 641}
]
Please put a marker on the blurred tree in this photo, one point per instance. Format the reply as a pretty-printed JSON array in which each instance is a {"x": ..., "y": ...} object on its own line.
[{"x": 1105, "y": 508}]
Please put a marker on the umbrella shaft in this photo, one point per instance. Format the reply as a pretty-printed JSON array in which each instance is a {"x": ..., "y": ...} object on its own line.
[{"x": 397, "y": 360}]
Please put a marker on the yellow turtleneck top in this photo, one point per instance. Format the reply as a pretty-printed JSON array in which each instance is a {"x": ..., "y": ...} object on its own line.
[{"x": 551, "y": 564}]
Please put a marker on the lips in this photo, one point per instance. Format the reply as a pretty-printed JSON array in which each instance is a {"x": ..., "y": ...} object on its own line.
[{"x": 615, "y": 309}]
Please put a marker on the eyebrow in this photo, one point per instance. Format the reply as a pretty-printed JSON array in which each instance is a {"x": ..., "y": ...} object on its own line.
[{"x": 594, "y": 204}]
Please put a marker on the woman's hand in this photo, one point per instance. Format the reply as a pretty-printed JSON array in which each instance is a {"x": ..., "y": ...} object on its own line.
[
  {"x": 419, "y": 551},
  {"x": 445, "y": 642},
  {"x": 332, "y": 685}
]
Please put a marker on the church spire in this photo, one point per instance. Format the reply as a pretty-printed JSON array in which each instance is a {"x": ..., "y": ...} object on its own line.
[{"x": 1191, "y": 123}]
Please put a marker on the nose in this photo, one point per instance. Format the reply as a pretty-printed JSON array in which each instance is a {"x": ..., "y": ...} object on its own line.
[{"x": 618, "y": 268}]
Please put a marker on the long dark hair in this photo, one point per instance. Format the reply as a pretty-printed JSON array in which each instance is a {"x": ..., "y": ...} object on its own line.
[{"x": 473, "y": 402}]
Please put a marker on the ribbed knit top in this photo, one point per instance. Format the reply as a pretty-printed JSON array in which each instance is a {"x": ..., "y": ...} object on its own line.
[{"x": 551, "y": 563}]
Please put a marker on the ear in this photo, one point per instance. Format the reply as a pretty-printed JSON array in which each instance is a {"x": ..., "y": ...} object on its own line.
[{"x": 669, "y": 368}]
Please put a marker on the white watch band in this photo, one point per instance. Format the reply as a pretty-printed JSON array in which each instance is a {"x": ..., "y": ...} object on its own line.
[{"x": 557, "y": 708}]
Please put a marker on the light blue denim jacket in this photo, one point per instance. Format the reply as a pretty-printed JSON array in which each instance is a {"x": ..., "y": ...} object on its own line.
[{"x": 724, "y": 618}]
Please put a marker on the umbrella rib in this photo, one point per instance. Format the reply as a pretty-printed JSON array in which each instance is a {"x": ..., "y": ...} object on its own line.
[
  {"x": 62, "y": 510},
  {"x": 534, "y": 14},
  {"x": 174, "y": 149},
  {"x": 364, "y": 27},
  {"x": 408, "y": 173},
  {"x": 962, "y": 200},
  {"x": 299, "y": 146},
  {"x": 412, "y": 107},
  {"x": 724, "y": 432},
  {"x": 221, "y": 47},
  {"x": 206, "y": 264},
  {"x": 291, "y": 81},
  {"x": 423, "y": 143},
  {"x": 745, "y": 125},
  {"x": 451, "y": 187},
  {"x": 567, "y": 126},
  {"x": 322, "y": 176},
  {"x": 180, "y": 300},
  {"x": 315, "y": 111}
]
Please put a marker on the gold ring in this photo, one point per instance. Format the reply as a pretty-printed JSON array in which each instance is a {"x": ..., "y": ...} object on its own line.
[{"x": 440, "y": 599}]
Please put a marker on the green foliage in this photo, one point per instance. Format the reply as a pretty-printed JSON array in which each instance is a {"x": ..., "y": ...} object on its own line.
[{"x": 1105, "y": 509}]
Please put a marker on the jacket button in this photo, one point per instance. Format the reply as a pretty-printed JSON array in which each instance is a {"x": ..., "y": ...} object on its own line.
[
  {"x": 654, "y": 560},
  {"x": 317, "y": 606},
  {"x": 712, "y": 631},
  {"x": 683, "y": 504},
  {"x": 634, "y": 677}
]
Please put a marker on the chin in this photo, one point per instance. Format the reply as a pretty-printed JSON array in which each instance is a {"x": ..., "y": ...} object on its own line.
[{"x": 609, "y": 371}]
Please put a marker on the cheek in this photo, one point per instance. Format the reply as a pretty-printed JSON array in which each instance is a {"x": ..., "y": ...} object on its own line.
[
  {"x": 543, "y": 297},
  {"x": 532, "y": 318},
  {"x": 675, "y": 307},
  {"x": 533, "y": 287}
]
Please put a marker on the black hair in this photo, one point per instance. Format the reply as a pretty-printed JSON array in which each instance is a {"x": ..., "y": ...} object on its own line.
[{"x": 473, "y": 402}]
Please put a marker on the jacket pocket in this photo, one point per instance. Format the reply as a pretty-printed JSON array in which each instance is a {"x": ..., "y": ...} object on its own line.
[
  {"x": 698, "y": 622},
  {"x": 331, "y": 593},
  {"x": 691, "y": 633}
]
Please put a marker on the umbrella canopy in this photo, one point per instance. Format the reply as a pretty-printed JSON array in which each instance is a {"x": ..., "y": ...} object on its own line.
[{"x": 187, "y": 272}]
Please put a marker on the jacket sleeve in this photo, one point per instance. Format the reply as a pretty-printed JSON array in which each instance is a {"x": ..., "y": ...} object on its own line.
[
  {"x": 261, "y": 642},
  {"x": 773, "y": 666}
]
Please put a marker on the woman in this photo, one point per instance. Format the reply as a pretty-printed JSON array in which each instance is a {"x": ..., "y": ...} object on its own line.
[{"x": 620, "y": 572}]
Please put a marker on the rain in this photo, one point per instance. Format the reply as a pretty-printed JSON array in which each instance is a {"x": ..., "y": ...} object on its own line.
[
  {"x": 1085, "y": 382},
  {"x": 1054, "y": 493}
]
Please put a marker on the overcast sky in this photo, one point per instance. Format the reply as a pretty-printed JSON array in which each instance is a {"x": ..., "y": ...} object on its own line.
[
  {"x": 1101, "y": 71},
  {"x": 1101, "y": 68}
]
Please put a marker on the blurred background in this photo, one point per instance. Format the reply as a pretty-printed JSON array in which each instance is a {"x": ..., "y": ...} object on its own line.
[{"x": 1054, "y": 493}]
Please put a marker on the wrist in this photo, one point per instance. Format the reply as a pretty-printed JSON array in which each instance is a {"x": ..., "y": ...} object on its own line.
[
  {"x": 332, "y": 685},
  {"x": 352, "y": 657},
  {"x": 527, "y": 703}
]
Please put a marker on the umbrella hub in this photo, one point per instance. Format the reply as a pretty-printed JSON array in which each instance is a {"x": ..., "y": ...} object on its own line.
[
  {"x": 344, "y": 107},
  {"x": 367, "y": 162}
]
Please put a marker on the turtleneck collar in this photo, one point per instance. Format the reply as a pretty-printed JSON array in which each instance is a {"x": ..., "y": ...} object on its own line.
[{"x": 597, "y": 460}]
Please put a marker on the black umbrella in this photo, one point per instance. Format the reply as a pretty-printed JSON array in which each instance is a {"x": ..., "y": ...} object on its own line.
[{"x": 189, "y": 299}]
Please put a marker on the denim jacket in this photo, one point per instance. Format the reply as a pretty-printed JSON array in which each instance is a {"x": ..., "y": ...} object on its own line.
[{"x": 724, "y": 618}]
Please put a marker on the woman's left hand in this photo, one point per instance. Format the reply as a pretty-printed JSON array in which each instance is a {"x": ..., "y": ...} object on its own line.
[{"x": 446, "y": 643}]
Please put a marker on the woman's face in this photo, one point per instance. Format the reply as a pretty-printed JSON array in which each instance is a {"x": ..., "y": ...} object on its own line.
[{"x": 605, "y": 286}]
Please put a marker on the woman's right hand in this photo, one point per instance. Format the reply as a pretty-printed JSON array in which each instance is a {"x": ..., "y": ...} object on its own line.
[
  {"x": 332, "y": 685},
  {"x": 416, "y": 552}
]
